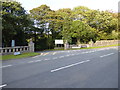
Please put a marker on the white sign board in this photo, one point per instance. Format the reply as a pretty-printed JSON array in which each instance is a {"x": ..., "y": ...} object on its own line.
[
  {"x": 58, "y": 41},
  {"x": 13, "y": 43},
  {"x": 16, "y": 53}
]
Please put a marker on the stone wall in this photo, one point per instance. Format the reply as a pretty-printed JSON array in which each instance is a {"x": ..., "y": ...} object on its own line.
[
  {"x": 21, "y": 49},
  {"x": 12, "y": 50},
  {"x": 104, "y": 43}
]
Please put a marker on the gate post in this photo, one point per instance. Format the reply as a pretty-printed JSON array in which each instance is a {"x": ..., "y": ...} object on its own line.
[{"x": 31, "y": 46}]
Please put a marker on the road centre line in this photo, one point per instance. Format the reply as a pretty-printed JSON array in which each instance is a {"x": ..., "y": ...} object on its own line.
[
  {"x": 31, "y": 61},
  {"x": 6, "y": 66},
  {"x": 54, "y": 70},
  {"x": 34, "y": 61},
  {"x": 54, "y": 53},
  {"x": 67, "y": 55},
  {"x": 55, "y": 58},
  {"x": 3, "y": 85},
  {"x": 38, "y": 60},
  {"x": 106, "y": 55},
  {"x": 61, "y": 56},
  {"x": 46, "y": 59}
]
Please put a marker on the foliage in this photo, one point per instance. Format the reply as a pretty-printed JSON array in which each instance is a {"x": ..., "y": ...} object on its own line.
[
  {"x": 44, "y": 25},
  {"x": 14, "y": 23}
]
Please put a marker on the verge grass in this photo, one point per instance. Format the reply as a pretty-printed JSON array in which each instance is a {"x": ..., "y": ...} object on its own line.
[
  {"x": 89, "y": 47},
  {"x": 23, "y": 55}
]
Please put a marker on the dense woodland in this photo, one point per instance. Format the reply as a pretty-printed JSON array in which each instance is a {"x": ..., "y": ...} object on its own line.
[{"x": 43, "y": 25}]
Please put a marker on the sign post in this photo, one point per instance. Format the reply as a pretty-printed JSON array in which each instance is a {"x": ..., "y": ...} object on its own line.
[
  {"x": 13, "y": 43},
  {"x": 59, "y": 42}
]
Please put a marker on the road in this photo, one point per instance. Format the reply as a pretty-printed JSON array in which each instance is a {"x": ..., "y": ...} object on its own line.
[{"x": 92, "y": 68}]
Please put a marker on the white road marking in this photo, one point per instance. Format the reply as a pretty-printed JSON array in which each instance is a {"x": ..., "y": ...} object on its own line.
[
  {"x": 54, "y": 53},
  {"x": 67, "y": 55},
  {"x": 69, "y": 66},
  {"x": 77, "y": 54},
  {"x": 55, "y": 58},
  {"x": 36, "y": 56},
  {"x": 61, "y": 57},
  {"x": 38, "y": 60},
  {"x": 72, "y": 54},
  {"x": 41, "y": 54},
  {"x": 92, "y": 51},
  {"x": 3, "y": 85},
  {"x": 6, "y": 66},
  {"x": 45, "y": 54},
  {"x": 106, "y": 55},
  {"x": 46, "y": 59},
  {"x": 31, "y": 61},
  {"x": 34, "y": 61}
]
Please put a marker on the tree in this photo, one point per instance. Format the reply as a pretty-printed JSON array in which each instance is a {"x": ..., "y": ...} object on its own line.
[
  {"x": 82, "y": 32},
  {"x": 66, "y": 14},
  {"x": 14, "y": 23},
  {"x": 47, "y": 20},
  {"x": 104, "y": 22}
]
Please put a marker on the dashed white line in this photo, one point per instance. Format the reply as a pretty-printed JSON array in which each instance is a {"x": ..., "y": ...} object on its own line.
[
  {"x": 54, "y": 53},
  {"x": 67, "y": 55},
  {"x": 41, "y": 54},
  {"x": 34, "y": 61},
  {"x": 46, "y": 59},
  {"x": 69, "y": 66},
  {"x": 6, "y": 66},
  {"x": 106, "y": 55},
  {"x": 38, "y": 60},
  {"x": 31, "y": 61},
  {"x": 72, "y": 54},
  {"x": 55, "y": 58},
  {"x": 36, "y": 56},
  {"x": 61, "y": 57},
  {"x": 3, "y": 85},
  {"x": 45, "y": 54}
]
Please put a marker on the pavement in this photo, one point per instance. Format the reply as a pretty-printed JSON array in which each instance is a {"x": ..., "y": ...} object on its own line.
[{"x": 86, "y": 68}]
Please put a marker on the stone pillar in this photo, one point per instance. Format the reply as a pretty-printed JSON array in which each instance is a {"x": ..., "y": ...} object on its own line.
[
  {"x": 91, "y": 43},
  {"x": 31, "y": 46},
  {"x": 66, "y": 45}
]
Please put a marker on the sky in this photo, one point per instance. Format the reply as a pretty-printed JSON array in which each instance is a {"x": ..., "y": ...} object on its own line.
[{"x": 57, "y": 4}]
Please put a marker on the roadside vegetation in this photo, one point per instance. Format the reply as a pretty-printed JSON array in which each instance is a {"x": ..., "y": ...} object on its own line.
[
  {"x": 24, "y": 55},
  {"x": 78, "y": 25},
  {"x": 84, "y": 48}
]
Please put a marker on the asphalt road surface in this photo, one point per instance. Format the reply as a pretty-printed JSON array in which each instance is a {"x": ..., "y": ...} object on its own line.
[{"x": 93, "y": 68}]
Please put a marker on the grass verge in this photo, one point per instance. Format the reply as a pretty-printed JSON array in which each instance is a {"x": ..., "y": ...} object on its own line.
[
  {"x": 7, "y": 57},
  {"x": 86, "y": 48},
  {"x": 97, "y": 47}
]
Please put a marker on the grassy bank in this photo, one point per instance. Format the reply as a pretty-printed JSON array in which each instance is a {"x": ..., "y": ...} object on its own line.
[
  {"x": 85, "y": 48},
  {"x": 103, "y": 46},
  {"x": 24, "y": 55}
]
